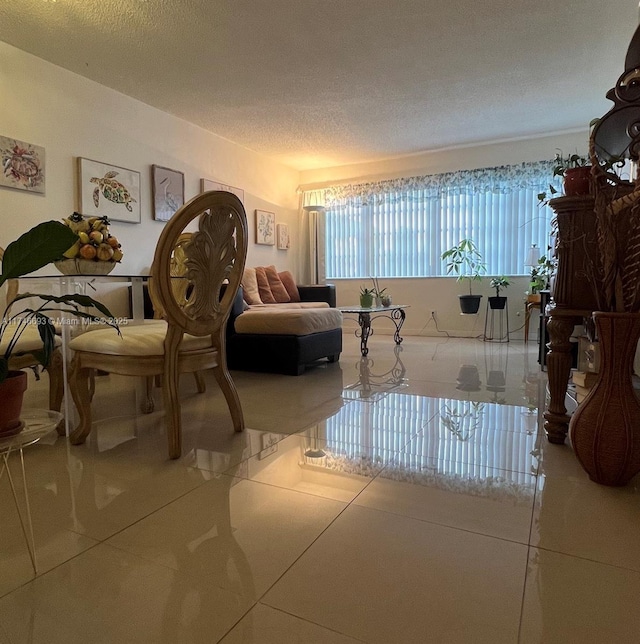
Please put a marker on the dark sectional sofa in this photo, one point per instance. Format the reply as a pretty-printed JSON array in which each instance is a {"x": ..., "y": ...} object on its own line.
[{"x": 287, "y": 353}]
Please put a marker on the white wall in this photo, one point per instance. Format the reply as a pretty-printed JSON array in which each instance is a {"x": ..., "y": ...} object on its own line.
[
  {"x": 440, "y": 294},
  {"x": 71, "y": 117}
]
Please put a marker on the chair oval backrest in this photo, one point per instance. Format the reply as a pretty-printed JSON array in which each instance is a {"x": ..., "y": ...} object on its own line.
[{"x": 214, "y": 254}]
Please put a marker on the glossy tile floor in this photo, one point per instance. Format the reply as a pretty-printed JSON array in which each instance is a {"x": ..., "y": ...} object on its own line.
[{"x": 407, "y": 497}]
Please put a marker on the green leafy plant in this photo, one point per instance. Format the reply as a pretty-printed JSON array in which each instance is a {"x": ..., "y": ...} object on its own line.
[
  {"x": 541, "y": 274},
  {"x": 377, "y": 291},
  {"x": 499, "y": 283},
  {"x": 367, "y": 291},
  {"x": 465, "y": 261},
  {"x": 33, "y": 250},
  {"x": 561, "y": 164}
]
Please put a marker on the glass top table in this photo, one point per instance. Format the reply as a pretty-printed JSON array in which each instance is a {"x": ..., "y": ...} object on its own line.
[{"x": 395, "y": 313}]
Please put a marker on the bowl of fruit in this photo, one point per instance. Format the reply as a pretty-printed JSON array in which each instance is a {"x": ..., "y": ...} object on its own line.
[{"x": 96, "y": 252}]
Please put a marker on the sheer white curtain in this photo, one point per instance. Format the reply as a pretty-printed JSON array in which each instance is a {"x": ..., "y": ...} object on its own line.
[
  {"x": 399, "y": 228},
  {"x": 313, "y": 229}
]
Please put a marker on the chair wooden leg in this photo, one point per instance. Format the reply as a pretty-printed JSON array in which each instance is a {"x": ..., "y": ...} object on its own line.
[
  {"x": 56, "y": 386},
  {"x": 81, "y": 392},
  {"x": 148, "y": 404},
  {"x": 170, "y": 379},
  {"x": 230, "y": 392},
  {"x": 92, "y": 384},
  {"x": 200, "y": 384},
  {"x": 527, "y": 317}
]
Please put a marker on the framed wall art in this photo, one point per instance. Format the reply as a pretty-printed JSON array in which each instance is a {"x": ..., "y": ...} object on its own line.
[
  {"x": 265, "y": 227},
  {"x": 282, "y": 233},
  {"x": 209, "y": 184},
  {"x": 167, "y": 191},
  {"x": 106, "y": 189},
  {"x": 22, "y": 165}
]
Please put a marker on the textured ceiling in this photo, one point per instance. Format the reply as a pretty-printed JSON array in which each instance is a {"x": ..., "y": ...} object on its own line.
[{"x": 330, "y": 82}]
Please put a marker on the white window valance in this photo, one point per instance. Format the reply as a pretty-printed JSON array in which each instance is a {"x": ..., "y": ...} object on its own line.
[{"x": 497, "y": 180}]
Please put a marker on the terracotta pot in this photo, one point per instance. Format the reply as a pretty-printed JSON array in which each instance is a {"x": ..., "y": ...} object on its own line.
[
  {"x": 577, "y": 181},
  {"x": 11, "y": 393},
  {"x": 605, "y": 429}
]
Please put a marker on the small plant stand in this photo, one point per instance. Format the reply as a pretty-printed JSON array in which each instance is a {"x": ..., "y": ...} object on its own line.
[{"x": 496, "y": 324}]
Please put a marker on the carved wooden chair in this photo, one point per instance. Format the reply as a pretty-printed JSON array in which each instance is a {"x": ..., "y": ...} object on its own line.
[
  {"x": 24, "y": 353},
  {"x": 192, "y": 337}
]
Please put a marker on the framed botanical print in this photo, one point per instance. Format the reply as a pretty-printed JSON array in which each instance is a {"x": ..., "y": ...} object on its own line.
[
  {"x": 106, "y": 189},
  {"x": 282, "y": 233},
  {"x": 168, "y": 192},
  {"x": 265, "y": 227}
]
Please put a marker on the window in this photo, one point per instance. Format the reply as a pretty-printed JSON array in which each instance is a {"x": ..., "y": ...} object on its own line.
[{"x": 400, "y": 228}]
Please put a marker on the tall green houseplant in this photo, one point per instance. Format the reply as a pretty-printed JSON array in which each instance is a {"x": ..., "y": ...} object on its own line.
[{"x": 465, "y": 261}]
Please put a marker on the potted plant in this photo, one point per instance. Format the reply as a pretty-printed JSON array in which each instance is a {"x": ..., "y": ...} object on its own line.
[
  {"x": 541, "y": 275},
  {"x": 465, "y": 261},
  {"x": 498, "y": 301},
  {"x": 382, "y": 298},
  {"x": 575, "y": 171},
  {"x": 366, "y": 297},
  {"x": 33, "y": 250}
]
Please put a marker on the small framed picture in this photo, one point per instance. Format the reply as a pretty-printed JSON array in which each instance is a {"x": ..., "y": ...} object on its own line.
[
  {"x": 22, "y": 165},
  {"x": 265, "y": 228},
  {"x": 269, "y": 445},
  {"x": 283, "y": 236},
  {"x": 106, "y": 189},
  {"x": 168, "y": 192},
  {"x": 208, "y": 184}
]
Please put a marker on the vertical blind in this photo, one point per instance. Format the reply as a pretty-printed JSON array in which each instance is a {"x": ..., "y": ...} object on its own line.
[{"x": 400, "y": 228}]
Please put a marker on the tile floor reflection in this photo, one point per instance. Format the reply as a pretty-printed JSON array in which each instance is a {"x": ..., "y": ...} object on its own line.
[{"x": 409, "y": 496}]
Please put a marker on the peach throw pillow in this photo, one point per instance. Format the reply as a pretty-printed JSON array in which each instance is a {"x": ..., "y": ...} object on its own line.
[
  {"x": 290, "y": 284},
  {"x": 263, "y": 286},
  {"x": 250, "y": 291},
  {"x": 278, "y": 290}
]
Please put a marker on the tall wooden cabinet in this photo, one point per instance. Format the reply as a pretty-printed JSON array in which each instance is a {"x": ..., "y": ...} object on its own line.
[{"x": 572, "y": 301}]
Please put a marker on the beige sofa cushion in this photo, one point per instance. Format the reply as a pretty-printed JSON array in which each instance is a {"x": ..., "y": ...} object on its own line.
[
  {"x": 291, "y": 305},
  {"x": 285, "y": 320},
  {"x": 250, "y": 291}
]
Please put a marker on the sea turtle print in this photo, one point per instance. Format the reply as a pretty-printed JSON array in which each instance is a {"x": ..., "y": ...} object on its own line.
[{"x": 112, "y": 190}]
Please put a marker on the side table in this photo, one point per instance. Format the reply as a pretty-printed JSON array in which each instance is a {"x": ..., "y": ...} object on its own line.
[
  {"x": 37, "y": 423},
  {"x": 395, "y": 313}
]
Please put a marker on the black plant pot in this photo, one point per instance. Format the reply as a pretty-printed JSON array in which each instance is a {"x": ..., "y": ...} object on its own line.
[
  {"x": 469, "y": 304},
  {"x": 497, "y": 302}
]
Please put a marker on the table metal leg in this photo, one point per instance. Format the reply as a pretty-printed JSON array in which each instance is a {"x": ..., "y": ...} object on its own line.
[
  {"x": 29, "y": 538},
  {"x": 398, "y": 315},
  {"x": 364, "y": 320}
]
